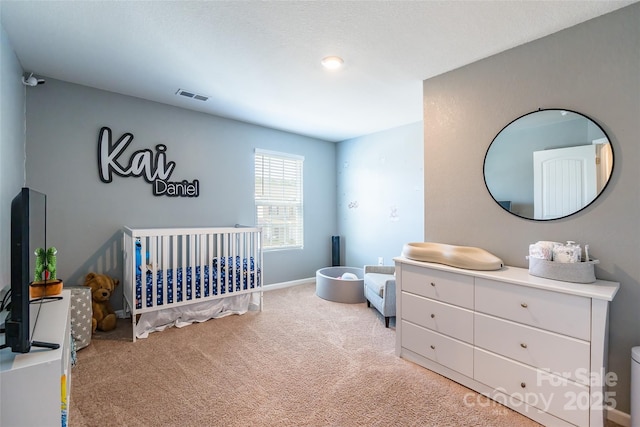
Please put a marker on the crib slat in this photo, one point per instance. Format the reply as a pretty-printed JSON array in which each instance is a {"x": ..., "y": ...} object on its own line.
[
  {"x": 191, "y": 266},
  {"x": 240, "y": 251},
  {"x": 232, "y": 242},
  {"x": 174, "y": 268},
  {"x": 154, "y": 273},
  {"x": 225, "y": 266},
  {"x": 183, "y": 263},
  {"x": 219, "y": 266},
  {"x": 232, "y": 262},
  {"x": 209, "y": 264},
  {"x": 201, "y": 254},
  {"x": 162, "y": 267}
]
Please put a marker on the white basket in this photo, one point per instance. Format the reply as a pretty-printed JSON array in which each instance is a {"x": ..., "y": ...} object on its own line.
[{"x": 576, "y": 272}]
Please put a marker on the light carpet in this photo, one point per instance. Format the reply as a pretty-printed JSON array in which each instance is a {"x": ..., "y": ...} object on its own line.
[{"x": 302, "y": 361}]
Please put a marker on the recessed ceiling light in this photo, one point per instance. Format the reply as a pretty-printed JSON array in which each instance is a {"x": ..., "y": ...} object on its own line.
[{"x": 332, "y": 62}]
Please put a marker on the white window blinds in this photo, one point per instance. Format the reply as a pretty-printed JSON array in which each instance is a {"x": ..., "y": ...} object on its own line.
[{"x": 278, "y": 199}]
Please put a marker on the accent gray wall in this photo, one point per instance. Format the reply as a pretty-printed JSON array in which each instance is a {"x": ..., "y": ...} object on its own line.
[
  {"x": 12, "y": 152},
  {"x": 592, "y": 68},
  {"x": 380, "y": 194},
  {"x": 87, "y": 215}
]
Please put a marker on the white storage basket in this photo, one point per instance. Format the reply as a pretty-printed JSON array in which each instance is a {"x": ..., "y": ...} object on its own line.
[{"x": 576, "y": 272}]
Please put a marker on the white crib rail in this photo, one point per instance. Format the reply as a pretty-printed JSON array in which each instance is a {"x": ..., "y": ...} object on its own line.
[{"x": 163, "y": 252}]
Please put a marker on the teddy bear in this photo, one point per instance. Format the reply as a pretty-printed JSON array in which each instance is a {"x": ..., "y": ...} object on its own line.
[{"x": 102, "y": 287}]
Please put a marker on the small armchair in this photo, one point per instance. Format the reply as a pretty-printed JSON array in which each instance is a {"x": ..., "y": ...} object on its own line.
[{"x": 380, "y": 289}]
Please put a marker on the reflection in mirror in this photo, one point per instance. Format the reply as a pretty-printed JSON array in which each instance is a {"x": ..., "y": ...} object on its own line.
[{"x": 548, "y": 164}]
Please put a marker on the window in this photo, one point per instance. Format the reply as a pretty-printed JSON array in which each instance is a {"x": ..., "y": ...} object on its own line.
[{"x": 278, "y": 198}]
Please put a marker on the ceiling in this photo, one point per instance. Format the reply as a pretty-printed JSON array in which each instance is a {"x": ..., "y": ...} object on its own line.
[{"x": 259, "y": 61}]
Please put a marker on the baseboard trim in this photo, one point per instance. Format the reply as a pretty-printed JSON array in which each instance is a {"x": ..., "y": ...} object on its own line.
[
  {"x": 619, "y": 417},
  {"x": 282, "y": 285}
]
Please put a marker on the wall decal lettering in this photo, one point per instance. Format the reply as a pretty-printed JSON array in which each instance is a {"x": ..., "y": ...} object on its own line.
[{"x": 153, "y": 167}]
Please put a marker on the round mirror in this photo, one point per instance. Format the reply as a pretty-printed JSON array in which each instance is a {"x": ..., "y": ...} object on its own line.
[{"x": 548, "y": 164}]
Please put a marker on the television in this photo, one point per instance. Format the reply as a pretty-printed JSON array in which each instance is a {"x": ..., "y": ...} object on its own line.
[{"x": 28, "y": 232}]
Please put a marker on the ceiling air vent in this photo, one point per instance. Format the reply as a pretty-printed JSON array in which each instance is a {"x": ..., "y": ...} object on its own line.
[{"x": 191, "y": 95}]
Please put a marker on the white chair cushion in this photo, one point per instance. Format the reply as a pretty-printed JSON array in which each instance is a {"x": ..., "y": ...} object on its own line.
[{"x": 376, "y": 282}]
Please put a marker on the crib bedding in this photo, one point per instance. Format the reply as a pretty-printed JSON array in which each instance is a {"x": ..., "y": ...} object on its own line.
[{"x": 232, "y": 278}]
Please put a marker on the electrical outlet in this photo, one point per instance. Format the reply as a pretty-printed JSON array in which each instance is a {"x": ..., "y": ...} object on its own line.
[{"x": 380, "y": 260}]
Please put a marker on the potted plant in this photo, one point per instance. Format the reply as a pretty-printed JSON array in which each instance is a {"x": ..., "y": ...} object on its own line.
[{"x": 45, "y": 282}]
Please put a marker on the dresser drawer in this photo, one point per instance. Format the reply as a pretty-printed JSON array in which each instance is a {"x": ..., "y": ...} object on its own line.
[
  {"x": 446, "y": 351},
  {"x": 438, "y": 316},
  {"x": 557, "y": 312},
  {"x": 439, "y": 285},
  {"x": 559, "y": 397},
  {"x": 562, "y": 355}
]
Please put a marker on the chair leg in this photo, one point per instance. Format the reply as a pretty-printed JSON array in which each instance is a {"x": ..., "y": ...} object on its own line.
[{"x": 386, "y": 322}]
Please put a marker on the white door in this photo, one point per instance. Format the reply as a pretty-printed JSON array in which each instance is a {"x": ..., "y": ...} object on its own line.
[{"x": 564, "y": 180}]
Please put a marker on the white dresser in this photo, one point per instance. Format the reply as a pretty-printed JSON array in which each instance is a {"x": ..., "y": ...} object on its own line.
[
  {"x": 36, "y": 386},
  {"x": 535, "y": 345}
]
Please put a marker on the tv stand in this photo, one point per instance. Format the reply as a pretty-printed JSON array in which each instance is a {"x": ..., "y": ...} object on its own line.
[{"x": 40, "y": 377}]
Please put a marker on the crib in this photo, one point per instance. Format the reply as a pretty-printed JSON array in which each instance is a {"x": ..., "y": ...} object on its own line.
[{"x": 177, "y": 276}]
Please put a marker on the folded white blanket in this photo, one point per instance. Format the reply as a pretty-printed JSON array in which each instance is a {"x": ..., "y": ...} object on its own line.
[{"x": 542, "y": 250}]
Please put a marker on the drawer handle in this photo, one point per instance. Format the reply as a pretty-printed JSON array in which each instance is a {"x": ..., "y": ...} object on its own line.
[
  {"x": 523, "y": 345},
  {"x": 523, "y": 385},
  {"x": 433, "y": 347},
  {"x": 524, "y": 305},
  {"x": 433, "y": 315}
]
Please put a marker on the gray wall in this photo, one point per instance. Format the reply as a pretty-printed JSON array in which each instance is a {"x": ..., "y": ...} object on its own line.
[
  {"x": 86, "y": 215},
  {"x": 592, "y": 68},
  {"x": 12, "y": 140},
  {"x": 380, "y": 194}
]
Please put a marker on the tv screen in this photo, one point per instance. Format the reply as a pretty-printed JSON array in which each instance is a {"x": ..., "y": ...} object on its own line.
[{"x": 28, "y": 232}]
